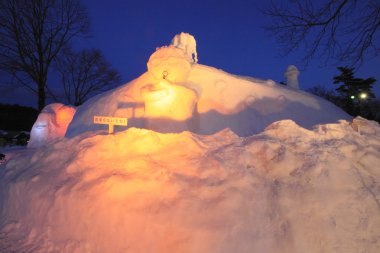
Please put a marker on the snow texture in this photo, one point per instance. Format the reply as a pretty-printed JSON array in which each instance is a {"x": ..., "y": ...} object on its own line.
[
  {"x": 51, "y": 124},
  {"x": 169, "y": 63},
  {"x": 287, "y": 189},
  {"x": 261, "y": 168},
  {"x": 187, "y": 43},
  {"x": 245, "y": 105},
  {"x": 291, "y": 76},
  {"x": 176, "y": 95}
]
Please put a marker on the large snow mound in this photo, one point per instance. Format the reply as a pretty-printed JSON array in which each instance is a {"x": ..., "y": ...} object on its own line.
[
  {"x": 287, "y": 189},
  {"x": 246, "y": 106},
  {"x": 176, "y": 94}
]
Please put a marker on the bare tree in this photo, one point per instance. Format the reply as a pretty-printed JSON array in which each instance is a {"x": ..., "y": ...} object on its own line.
[
  {"x": 85, "y": 73},
  {"x": 32, "y": 33},
  {"x": 347, "y": 30}
]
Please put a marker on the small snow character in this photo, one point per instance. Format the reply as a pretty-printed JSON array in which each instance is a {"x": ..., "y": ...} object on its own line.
[{"x": 291, "y": 76}]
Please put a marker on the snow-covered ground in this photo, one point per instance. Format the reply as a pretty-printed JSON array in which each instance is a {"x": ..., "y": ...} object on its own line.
[
  {"x": 11, "y": 151},
  {"x": 210, "y": 162},
  {"x": 287, "y": 189}
]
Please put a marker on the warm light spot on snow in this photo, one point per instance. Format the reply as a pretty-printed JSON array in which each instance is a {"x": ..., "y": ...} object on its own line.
[
  {"x": 166, "y": 100},
  {"x": 160, "y": 93},
  {"x": 118, "y": 187},
  {"x": 64, "y": 115}
]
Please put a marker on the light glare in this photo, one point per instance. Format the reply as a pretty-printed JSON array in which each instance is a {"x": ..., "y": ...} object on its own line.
[{"x": 363, "y": 95}]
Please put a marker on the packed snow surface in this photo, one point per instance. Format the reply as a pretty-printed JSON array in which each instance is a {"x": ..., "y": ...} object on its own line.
[
  {"x": 177, "y": 94},
  {"x": 286, "y": 189}
]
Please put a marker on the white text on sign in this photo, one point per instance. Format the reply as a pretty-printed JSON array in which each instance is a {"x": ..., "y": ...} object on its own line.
[{"x": 110, "y": 121}]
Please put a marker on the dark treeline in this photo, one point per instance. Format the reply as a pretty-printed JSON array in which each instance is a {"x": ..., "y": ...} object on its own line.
[{"x": 17, "y": 118}]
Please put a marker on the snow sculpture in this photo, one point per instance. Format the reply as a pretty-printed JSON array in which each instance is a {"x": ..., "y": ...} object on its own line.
[
  {"x": 211, "y": 100},
  {"x": 169, "y": 63},
  {"x": 51, "y": 124},
  {"x": 168, "y": 102},
  {"x": 187, "y": 43},
  {"x": 291, "y": 74}
]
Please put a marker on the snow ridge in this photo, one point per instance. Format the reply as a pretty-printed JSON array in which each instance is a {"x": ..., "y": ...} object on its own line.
[{"x": 287, "y": 189}]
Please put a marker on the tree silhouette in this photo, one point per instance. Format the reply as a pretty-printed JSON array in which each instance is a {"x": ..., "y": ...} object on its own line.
[
  {"x": 32, "y": 33},
  {"x": 354, "y": 88},
  {"x": 347, "y": 30},
  {"x": 356, "y": 93},
  {"x": 85, "y": 73}
]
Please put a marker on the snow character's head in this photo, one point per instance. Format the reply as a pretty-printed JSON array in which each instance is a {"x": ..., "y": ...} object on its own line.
[
  {"x": 291, "y": 76},
  {"x": 51, "y": 124},
  {"x": 169, "y": 63}
]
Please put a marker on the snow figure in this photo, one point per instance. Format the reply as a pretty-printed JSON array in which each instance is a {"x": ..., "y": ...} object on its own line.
[
  {"x": 169, "y": 103},
  {"x": 171, "y": 62},
  {"x": 187, "y": 43},
  {"x": 291, "y": 74},
  {"x": 51, "y": 124}
]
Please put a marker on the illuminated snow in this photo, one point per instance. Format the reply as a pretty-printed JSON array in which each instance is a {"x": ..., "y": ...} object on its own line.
[
  {"x": 214, "y": 100},
  {"x": 264, "y": 168},
  {"x": 187, "y": 43},
  {"x": 287, "y": 189},
  {"x": 51, "y": 124},
  {"x": 168, "y": 106}
]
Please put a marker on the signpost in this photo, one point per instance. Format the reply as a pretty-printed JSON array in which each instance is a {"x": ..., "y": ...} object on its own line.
[{"x": 110, "y": 121}]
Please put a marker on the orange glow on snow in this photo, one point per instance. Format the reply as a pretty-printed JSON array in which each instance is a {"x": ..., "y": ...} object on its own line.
[
  {"x": 165, "y": 100},
  {"x": 64, "y": 116},
  {"x": 172, "y": 61}
]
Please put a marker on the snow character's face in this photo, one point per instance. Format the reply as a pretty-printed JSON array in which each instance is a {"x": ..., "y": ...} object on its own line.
[
  {"x": 42, "y": 129},
  {"x": 44, "y": 121}
]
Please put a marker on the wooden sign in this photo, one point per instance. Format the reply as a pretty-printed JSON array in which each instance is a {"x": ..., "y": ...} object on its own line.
[{"x": 110, "y": 121}]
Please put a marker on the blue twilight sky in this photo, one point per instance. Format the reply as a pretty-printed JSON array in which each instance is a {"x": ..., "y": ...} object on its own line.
[{"x": 229, "y": 36}]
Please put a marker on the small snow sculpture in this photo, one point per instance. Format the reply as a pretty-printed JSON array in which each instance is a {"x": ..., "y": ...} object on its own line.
[
  {"x": 291, "y": 76},
  {"x": 51, "y": 124},
  {"x": 169, "y": 63},
  {"x": 187, "y": 43}
]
